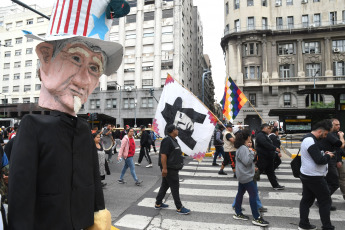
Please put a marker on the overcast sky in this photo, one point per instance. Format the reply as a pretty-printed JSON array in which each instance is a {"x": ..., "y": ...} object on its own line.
[{"x": 212, "y": 17}]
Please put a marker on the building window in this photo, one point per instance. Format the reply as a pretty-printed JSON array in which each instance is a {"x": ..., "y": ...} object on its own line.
[
  {"x": 289, "y": 2},
  {"x": 17, "y": 64},
  {"x": 286, "y": 71},
  {"x": 316, "y": 1},
  {"x": 8, "y": 26},
  {"x": 149, "y": 2},
  {"x": 148, "y": 32},
  {"x": 290, "y": 22},
  {"x": 227, "y": 8},
  {"x": 338, "y": 45},
  {"x": 37, "y": 87},
  {"x": 6, "y": 65},
  {"x": 252, "y": 98},
  {"x": 338, "y": 68},
  {"x": 16, "y": 76},
  {"x": 128, "y": 83},
  {"x": 333, "y": 18},
  {"x": 251, "y": 72},
  {"x": 258, "y": 72},
  {"x": 305, "y": 21},
  {"x": 29, "y": 39},
  {"x": 15, "y": 100},
  {"x": 8, "y": 54},
  {"x": 5, "y": 89},
  {"x": 28, "y": 63},
  {"x": 130, "y": 34},
  {"x": 95, "y": 104},
  {"x": 169, "y": 13},
  {"x": 237, "y": 25},
  {"x": 27, "y": 88},
  {"x": 29, "y": 21},
  {"x": 29, "y": 51},
  {"x": 19, "y": 40},
  {"x": 287, "y": 100},
  {"x": 264, "y": 23},
  {"x": 27, "y": 75},
  {"x": 40, "y": 19},
  {"x": 311, "y": 47},
  {"x": 317, "y": 20},
  {"x": 236, "y": 4},
  {"x": 36, "y": 99},
  {"x": 264, "y": 2},
  {"x": 132, "y": 3},
  {"x": 18, "y": 52},
  {"x": 110, "y": 104},
  {"x": 148, "y": 16},
  {"x": 286, "y": 49},
  {"x": 250, "y": 2},
  {"x": 227, "y": 28},
  {"x": 26, "y": 100},
  {"x": 8, "y": 42},
  {"x": 116, "y": 22},
  {"x": 129, "y": 103},
  {"x": 313, "y": 69},
  {"x": 147, "y": 102},
  {"x": 6, "y": 77},
  {"x": 250, "y": 25},
  {"x": 16, "y": 88},
  {"x": 147, "y": 83},
  {"x": 279, "y": 22},
  {"x": 19, "y": 23},
  {"x": 131, "y": 18}
]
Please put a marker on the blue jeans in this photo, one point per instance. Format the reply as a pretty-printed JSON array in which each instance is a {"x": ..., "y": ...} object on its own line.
[
  {"x": 129, "y": 164},
  {"x": 219, "y": 151},
  {"x": 253, "y": 193},
  {"x": 258, "y": 201}
]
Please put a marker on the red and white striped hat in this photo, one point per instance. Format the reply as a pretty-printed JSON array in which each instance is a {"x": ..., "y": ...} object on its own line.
[{"x": 87, "y": 20}]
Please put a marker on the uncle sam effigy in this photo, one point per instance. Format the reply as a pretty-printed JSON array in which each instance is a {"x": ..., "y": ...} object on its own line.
[{"x": 54, "y": 175}]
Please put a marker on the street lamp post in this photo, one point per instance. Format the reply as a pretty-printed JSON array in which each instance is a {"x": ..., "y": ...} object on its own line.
[
  {"x": 5, "y": 102},
  {"x": 314, "y": 85},
  {"x": 204, "y": 75},
  {"x": 120, "y": 102},
  {"x": 135, "y": 108}
]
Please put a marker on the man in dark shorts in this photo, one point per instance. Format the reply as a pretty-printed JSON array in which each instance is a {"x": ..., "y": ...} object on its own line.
[{"x": 229, "y": 150}]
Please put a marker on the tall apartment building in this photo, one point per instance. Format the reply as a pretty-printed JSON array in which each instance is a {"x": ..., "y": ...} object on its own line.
[
  {"x": 277, "y": 47},
  {"x": 159, "y": 37}
]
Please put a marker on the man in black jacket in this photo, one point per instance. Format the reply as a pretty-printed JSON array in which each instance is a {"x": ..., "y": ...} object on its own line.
[
  {"x": 266, "y": 153},
  {"x": 276, "y": 142},
  {"x": 145, "y": 142}
]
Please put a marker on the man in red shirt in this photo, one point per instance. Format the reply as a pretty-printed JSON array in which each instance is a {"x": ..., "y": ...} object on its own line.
[{"x": 127, "y": 152}]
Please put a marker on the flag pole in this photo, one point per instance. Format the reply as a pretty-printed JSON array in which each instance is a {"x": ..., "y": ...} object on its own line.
[
  {"x": 197, "y": 99},
  {"x": 249, "y": 102}
]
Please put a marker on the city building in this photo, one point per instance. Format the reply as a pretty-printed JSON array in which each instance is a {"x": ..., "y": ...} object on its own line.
[
  {"x": 275, "y": 48},
  {"x": 159, "y": 37}
]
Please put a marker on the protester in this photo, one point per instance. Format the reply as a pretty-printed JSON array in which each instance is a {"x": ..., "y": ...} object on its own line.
[
  {"x": 124, "y": 132},
  {"x": 274, "y": 136},
  {"x": 116, "y": 136},
  {"x": 313, "y": 172},
  {"x": 332, "y": 143},
  {"x": 107, "y": 134},
  {"x": 245, "y": 169},
  {"x": 127, "y": 152},
  {"x": 229, "y": 150},
  {"x": 153, "y": 139},
  {"x": 170, "y": 162},
  {"x": 94, "y": 130},
  {"x": 266, "y": 154},
  {"x": 54, "y": 174},
  {"x": 218, "y": 144},
  {"x": 144, "y": 145},
  {"x": 101, "y": 156}
]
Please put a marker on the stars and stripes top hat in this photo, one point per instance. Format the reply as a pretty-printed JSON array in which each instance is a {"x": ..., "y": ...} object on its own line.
[{"x": 89, "y": 20}]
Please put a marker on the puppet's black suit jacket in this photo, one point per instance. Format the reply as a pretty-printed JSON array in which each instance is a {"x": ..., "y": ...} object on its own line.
[{"x": 54, "y": 180}]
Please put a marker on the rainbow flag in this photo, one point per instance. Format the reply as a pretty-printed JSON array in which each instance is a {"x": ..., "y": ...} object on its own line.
[{"x": 233, "y": 100}]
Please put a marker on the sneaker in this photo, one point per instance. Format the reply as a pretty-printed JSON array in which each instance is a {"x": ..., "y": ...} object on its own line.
[
  {"x": 233, "y": 207},
  {"x": 240, "y": 217},
  {"x": 344, "y": 197},
  {"x": 149, "y": 166},
  {"x": 215, "y": 164},
  {"x": 138, "y": 183},
  {"x": 162, "y": 205},
  {"x": 260, "y": 222},
  {"x": 262, "y": 209},
  {"x": 136, "y": 163},
  {"x": 183, "y": 211},
  {"x": 235, "y": 175},
  {"x": 103, "y": 184},
  {"x": 310, "y": 227},
  {"x": 221, "y": 172},
  {"x": 333, "y": 208},
  {"x": 279, "y": 187},
  {"x": 121, "y": 181}
]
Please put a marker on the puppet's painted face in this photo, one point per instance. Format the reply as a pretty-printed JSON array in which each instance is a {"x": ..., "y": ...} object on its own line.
[
  {"x": 70, "y": 77},
  {"x": 183, "y": 122}
]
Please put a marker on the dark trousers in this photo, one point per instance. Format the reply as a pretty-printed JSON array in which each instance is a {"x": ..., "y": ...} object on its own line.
[
  {"x": 277, "y": 161},
  {"x": 267, "y": 165},
  {"x": 153, "y": 145},
  {"x": 170, "y": 181},
  {"x": 332, "y": 178},
  {"x": 315, "y": 187},
  {"x": 144, "y": 153},
  {"x": 251, "y": 188},
  {"x": 219, "y": 150}
]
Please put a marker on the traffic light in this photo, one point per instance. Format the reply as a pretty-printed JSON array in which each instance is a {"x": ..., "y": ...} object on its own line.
[{"x": 88, "y": 116}]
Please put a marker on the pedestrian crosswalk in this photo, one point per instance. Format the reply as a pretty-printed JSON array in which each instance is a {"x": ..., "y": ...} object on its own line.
[{"x": 209, "y": 196}]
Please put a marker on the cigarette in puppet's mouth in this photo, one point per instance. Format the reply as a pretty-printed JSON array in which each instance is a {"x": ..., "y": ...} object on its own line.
[{"x": 77, "y": 104}]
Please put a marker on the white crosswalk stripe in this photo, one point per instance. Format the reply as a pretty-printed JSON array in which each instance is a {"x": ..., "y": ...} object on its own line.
[{"x": 205, "y": 192}]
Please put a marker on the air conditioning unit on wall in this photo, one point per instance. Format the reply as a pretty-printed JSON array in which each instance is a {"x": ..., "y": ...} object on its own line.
[
  {"x": 304, "y": 1},
  {"x": 278, "y": 3},
  {"x": 336, "y": 50}
]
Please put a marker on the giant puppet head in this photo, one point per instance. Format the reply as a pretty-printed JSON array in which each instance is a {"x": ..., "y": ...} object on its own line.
[{"x": 77, "y": 51}]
